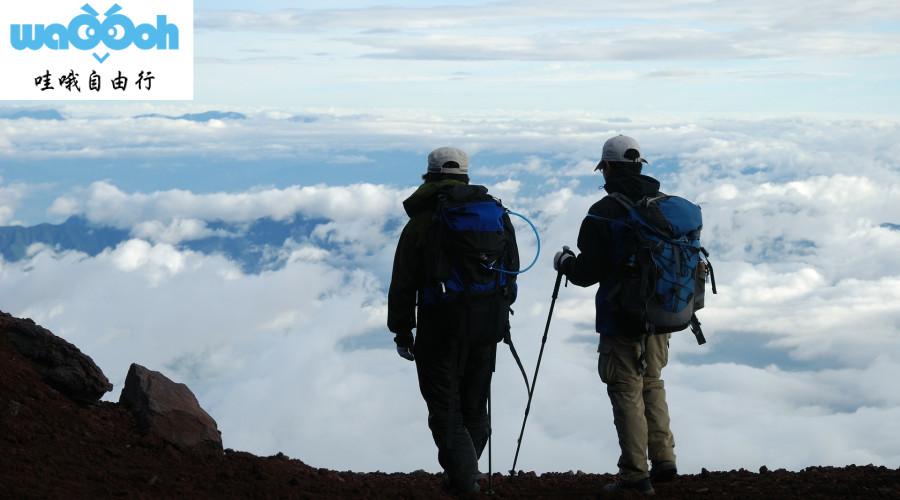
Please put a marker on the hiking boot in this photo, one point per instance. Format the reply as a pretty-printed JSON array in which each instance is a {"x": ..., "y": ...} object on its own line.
[
  {"x": 448, "y": 486},
  {"x": 470, "y": 492},
  {"x": 663, "y": 472},
  {"x": 641, "y": 486}
]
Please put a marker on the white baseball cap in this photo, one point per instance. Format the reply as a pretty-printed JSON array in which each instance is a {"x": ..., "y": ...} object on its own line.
[{"x": 621, "y": 148}]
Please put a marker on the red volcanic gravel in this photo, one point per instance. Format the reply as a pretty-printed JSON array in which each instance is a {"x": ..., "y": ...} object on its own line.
[{"x": 51, "y": 447}]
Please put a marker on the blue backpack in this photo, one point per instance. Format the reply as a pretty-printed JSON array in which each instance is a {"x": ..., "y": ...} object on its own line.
[
  {"x": 471, "y": 263},
  {"x": 663, "y": 280}
]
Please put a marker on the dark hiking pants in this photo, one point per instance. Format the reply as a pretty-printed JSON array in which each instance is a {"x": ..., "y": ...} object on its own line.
[{"x": 455, "y": 379}]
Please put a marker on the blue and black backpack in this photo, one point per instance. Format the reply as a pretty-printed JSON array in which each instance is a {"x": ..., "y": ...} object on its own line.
[
  {"x": 473, "y": 256},
  {"x": 663, "y": 278}
]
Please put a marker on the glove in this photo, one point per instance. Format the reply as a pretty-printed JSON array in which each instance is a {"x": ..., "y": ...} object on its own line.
[
  {"x": 561, "y": 257},
  {"x": 404, "y": 343}
]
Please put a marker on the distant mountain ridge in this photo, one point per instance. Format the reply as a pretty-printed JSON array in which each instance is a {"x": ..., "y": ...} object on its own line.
[
  {"x": 76, "y": 233},
  {"x": 252, "y": 244},
  {"x": 32, "y": 114},
  {"x": 199, "y": 117}
]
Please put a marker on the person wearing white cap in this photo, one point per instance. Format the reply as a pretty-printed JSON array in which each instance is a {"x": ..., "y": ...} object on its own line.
[
  {"x": 637, "y": 393},
  {"x": 438, "y": 268}
]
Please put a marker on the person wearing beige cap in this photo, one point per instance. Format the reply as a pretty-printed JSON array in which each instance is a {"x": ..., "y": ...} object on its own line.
[
  {"x": 630, "y": 363},
  {"x": 453, "y": 282}
]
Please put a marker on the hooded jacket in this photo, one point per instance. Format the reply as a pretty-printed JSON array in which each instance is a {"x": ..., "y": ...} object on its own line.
[
  {"x": 602, "y": 245},
  {"x": 410, "y": 259}
]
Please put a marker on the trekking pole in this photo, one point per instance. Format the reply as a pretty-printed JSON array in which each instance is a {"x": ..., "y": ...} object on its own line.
[
  {"x": 559, "y": 275},
  {"x": 490, "y": 490}
]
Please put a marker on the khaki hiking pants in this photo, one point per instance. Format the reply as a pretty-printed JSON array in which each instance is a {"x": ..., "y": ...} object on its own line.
[{"x": 638, "y": 402}]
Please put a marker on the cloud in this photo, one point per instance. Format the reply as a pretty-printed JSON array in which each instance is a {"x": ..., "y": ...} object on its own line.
[
  {"x": 156, "y": 261},
  {"x": 261, "y": 60},
  {"x": 533, "y": 31},
  {"x": 350, "y": 160},
  {"x": 6, "y": 213},
  {"x": 797, "y": 15},
  {"x": 596, "y": 45},
  {"x": 690, "y": 74},
  {"x": 506, "y": 189},
  {"x": 11, "y": 196},
  {"x": 104, "y": 203},
  {"x": 532, "y": 142},
  {"x": 176, "y": 231}
]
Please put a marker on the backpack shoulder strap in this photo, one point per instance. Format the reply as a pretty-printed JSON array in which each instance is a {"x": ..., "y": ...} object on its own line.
[
  {"x": 653, "y": 199},
  {"x": 623, "y": 200}
]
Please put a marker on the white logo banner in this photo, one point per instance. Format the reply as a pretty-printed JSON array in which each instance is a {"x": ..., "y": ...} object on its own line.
[{"x": 57, "y": 50}]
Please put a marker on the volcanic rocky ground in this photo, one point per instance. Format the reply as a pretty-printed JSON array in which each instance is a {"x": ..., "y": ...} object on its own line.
[{"x": 58, "y": 441}]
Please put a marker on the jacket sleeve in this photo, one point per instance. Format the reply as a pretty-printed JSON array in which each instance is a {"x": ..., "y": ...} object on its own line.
[
  {"x": 592, "y": 263},
  {"x": 512, "y": 255},
  {"x": 404, "y": 283}
]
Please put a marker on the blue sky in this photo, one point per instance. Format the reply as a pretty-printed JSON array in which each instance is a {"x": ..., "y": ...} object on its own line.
[{"x": 779, "y": 118}]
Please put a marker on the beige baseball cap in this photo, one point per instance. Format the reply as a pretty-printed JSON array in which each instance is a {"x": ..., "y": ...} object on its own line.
[{"x": 448, "y": 160}]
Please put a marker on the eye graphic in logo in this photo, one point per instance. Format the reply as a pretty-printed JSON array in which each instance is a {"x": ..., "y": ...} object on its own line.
[{"x": 86, "y": 32}]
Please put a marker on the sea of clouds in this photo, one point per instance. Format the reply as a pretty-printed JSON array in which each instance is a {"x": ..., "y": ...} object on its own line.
[{"x": 800, "y": 214}]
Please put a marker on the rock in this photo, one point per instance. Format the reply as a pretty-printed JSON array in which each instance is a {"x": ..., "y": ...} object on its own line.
[
  {"x": 60, "y": 364},
  {"x": 170, "y": 411}
]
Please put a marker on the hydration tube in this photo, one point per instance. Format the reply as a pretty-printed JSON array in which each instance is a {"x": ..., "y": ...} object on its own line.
[{"x": 537, "y": 254}]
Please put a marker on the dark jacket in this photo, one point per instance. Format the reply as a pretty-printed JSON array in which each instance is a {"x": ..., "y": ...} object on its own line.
[
  {"x": 603, "y": 246},
  {"x": 410, "y": 260}
]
